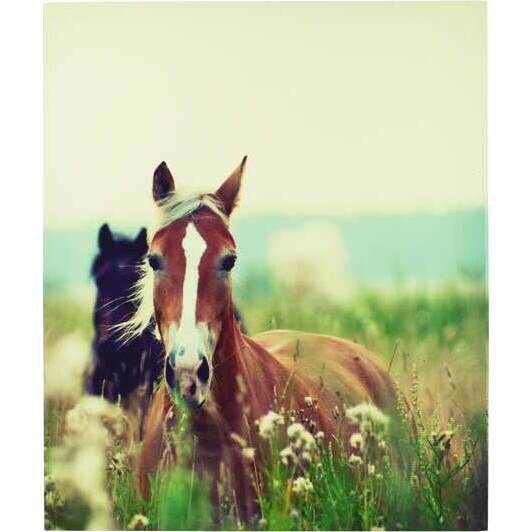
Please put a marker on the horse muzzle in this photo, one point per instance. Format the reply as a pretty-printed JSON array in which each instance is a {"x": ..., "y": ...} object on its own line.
[{"x": 191, "y": 386}]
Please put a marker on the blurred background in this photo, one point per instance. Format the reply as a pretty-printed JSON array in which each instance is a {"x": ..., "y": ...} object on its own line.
[{"x": 364, "y": 125}]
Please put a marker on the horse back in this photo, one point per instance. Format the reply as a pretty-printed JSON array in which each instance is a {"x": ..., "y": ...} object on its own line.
[{"x": 337, "y": 370}]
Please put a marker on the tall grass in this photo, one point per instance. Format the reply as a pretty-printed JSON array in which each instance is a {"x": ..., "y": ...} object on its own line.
[{"x": 432, "y": 476}]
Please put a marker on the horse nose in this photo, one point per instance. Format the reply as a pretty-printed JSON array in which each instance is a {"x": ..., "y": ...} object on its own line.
[{"x": 187, "y": 386}]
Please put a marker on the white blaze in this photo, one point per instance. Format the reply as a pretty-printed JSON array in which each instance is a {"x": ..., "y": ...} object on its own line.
[
  {"x": 190, "y": 338},
  {"x": 194, "y": 246}
]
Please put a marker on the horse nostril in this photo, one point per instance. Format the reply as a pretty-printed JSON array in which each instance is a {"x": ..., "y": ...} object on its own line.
[
  {"x": 203, "y": 371},
  {"x": 188, "y": 388},
  {"x": 169, "y": 374}
]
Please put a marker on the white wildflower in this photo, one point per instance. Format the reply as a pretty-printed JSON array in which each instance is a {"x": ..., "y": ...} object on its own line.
[
  {"x": 288, "y": 456},
  {"x": 366, "y": 412},
  {"x": 302, "y": 485},
  {"x": 306, "y": 457},
  {"x": 302, "y": 445},
  {"x": 309, "y": 443},
  {"x": 356, "y": 441},
  {"x": 79, "y": 464},
  {"x": 294, "y": 430},
  {"x": 91, "y": 419},
  {"x": 371, "y": 469},
  {"x": 268, "y": 423},
  {"x": 76, "y": 420},
  {"x": 309, "y": 402},
  {"x": 355, "y": 460},
  {"x": 320, "y": 435}
]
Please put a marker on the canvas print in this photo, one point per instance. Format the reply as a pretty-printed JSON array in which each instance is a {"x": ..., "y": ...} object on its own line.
[{"x": 265, "y": 267}]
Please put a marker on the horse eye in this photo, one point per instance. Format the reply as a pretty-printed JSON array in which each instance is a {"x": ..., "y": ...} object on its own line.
[
  {"x": 227, "y": 263},
  {"x": 155, "y": 262}
]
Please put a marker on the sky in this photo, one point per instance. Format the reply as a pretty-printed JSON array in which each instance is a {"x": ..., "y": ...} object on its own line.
[{"x": 346, "y": 108}]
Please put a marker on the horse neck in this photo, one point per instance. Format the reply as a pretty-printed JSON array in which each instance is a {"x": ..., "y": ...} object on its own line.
[
  {"x": 228, "y": 363},
  {"x": 247, "y": 378}
]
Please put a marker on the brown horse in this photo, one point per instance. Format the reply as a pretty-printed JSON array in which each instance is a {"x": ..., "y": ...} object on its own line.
[{"x": 211, "y": 364}]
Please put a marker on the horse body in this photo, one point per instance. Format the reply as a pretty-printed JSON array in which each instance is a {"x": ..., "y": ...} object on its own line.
[
  {"x": 229, "y": 379},
  {"x": 329, "y": 363}
]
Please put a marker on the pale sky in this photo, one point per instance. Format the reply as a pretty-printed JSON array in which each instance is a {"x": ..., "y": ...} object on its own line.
[{"x": 342, "y": 108}]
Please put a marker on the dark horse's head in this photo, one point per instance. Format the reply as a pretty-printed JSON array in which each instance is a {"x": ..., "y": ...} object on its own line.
[
  {"x": 116, "y": 267},
  {"x": 117, "y": 368}
]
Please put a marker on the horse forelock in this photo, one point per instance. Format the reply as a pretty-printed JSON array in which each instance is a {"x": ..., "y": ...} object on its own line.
[{"x": 177, "y": 205}]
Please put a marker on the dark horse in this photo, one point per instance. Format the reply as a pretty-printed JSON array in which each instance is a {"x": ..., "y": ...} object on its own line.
[{"x": 122, "y": 369}]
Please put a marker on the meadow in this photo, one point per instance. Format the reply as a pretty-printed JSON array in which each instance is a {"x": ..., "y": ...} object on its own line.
[{"x": 432, "y": 476}]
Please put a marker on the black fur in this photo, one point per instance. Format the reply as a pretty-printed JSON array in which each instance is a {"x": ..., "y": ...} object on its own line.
[{"x": 120, "y": 368}]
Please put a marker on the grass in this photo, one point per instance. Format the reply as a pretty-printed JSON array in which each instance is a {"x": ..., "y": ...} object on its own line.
[{"x": 433, "y": 477}]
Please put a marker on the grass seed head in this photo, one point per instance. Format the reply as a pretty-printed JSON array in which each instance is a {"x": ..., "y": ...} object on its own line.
[
  {"x": 248, "y": 453},
  {"x": 238, "y": 439}
]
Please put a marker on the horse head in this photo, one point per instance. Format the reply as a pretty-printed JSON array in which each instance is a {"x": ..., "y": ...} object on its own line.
[
  {"x": 191, "y": 256},
  {"x": 116, "y": 267}
]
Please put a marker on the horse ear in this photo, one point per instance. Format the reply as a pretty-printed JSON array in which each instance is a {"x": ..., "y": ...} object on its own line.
[
  {"x": 105, "y": 237},
  {"x": 163, "y": 182},
  {"x": 228, "y": 192},
  {"x": 142, "y": 240}
]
